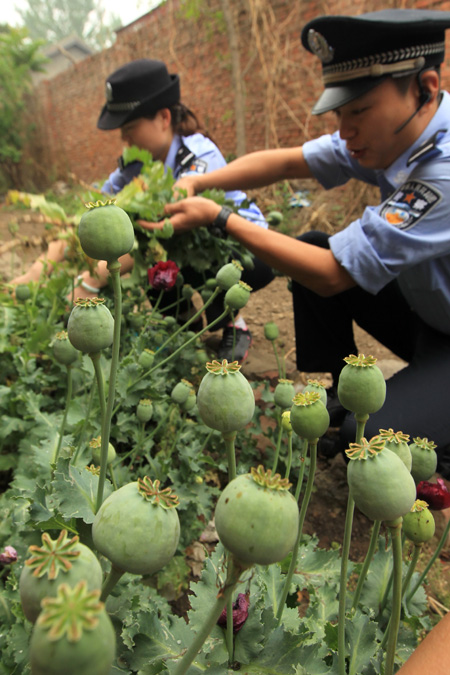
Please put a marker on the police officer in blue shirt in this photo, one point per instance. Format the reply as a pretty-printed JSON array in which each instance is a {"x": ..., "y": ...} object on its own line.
[
  {"x": 143, "y": 101},
  {"x": 389, "y": 270},
  {"x": 139, "y": 90}
]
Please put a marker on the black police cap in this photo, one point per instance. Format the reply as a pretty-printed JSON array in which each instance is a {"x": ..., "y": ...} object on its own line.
[
  {"x": 137, "y": 89},
  {"x": 359, "y": 52}
]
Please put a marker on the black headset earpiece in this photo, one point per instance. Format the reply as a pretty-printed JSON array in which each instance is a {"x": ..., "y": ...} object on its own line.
[{"x": 425, "y": 96}]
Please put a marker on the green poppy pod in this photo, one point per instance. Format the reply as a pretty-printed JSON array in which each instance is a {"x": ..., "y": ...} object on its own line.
[
  {"x": 380, "y": 483},
  {"x": 309, "y": 416},
  {"x": 397, "y": 441},
  {"x": 418, "y": 525},
  {"x": 225, "y": 399},
  {"x": 423, "y": 459},
  {"x": 361, "y": 385},
  {"x": 284, "y": 393},
  {"x": 237, "y": 296},
  {"x": 228, "y": 275},
  {"x": 105, "y": 232},
  {"x": 91, "y": 326}
]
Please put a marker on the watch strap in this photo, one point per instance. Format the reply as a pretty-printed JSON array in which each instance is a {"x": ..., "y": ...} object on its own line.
[{"x": 218, "y": 226}]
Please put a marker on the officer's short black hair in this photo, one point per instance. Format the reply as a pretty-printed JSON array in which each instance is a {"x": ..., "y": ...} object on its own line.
[{"x": 359, "y": 52}]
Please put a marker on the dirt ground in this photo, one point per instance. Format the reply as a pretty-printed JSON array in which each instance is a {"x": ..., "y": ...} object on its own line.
[{"x": 22, "y": 238}]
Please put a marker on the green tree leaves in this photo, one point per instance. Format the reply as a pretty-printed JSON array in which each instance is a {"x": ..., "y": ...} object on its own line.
[
  {"x": 19, "y": 57},
  {"x": 54, "y": 20}
]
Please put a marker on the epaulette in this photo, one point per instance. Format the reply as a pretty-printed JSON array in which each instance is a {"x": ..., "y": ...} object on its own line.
[
  {"x": 428, "y": 148},
  {"x": 184, "y": 156}
]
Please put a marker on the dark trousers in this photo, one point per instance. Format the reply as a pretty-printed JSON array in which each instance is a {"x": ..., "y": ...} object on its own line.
[{"x": 416, "y": 398}]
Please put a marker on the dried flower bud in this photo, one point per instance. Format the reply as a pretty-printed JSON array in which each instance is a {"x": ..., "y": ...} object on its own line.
[
  {"x": 240, "y": 613},
  {"x": 8, "y": 556}
]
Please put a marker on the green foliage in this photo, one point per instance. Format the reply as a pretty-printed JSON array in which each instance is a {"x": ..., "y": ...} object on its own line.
[
  {"x": 54, "y": 20},
  {"x": 19, "y": 57},
  {"x": 177, "y": 449}
]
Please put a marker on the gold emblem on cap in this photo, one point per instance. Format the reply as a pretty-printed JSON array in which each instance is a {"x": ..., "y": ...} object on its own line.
[
  {"x": 319, "y": 46},
  {"x": 108, "y": 92}
]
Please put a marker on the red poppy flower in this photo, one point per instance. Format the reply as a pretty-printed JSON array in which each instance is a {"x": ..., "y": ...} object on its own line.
[
  {"x": 240, "y": 613},
  {"x": 435, "y": 494},
  {"x": 163, "y": 275}
]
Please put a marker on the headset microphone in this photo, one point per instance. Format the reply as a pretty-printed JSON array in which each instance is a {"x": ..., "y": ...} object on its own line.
[{"x": 425, "y": 96}]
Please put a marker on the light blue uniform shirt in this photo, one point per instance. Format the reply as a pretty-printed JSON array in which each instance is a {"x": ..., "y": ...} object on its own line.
[
  {"x": 407, "y": 236},
  {"x": 206, "y": 158}
]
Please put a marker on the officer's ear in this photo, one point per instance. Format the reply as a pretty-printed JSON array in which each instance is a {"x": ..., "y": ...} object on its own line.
[
  {"x": 428, "y": 83},
  {"x": 166, "y": 117}
]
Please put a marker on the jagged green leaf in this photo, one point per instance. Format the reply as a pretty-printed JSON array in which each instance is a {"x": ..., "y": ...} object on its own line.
[
  {"x": 248, "y": 641},
  {"x": 75, "y": 492},
  {"x": 377, "y": 578},
  {"x": 361, "y": 637}
]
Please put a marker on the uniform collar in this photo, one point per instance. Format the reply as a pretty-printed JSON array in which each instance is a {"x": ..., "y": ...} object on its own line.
[
  {"x": 171, "y": 155},
  {"x": 399, "y": 170}
]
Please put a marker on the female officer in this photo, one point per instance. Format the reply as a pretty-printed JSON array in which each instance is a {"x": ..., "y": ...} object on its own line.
[
  {"x": 143, "y": 101},
  {"x": 389, "y": 270}
]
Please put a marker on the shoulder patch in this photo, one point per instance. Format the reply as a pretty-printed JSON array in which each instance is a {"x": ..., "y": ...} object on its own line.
[
  {"x": 196, "y": 166},
  {"x": 409, "y": 203}
]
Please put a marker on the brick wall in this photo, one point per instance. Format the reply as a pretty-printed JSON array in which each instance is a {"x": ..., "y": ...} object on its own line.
[{"x": 282, "y": 80}]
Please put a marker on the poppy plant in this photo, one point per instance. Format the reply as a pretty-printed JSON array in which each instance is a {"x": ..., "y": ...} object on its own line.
[
  {"x": 435, "y": 494},
  {"x": 163, "y": 275}
]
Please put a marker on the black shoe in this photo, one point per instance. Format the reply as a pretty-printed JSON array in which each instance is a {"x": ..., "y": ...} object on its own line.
[
  {"x": 329, "y": 445},
  {"x": 336, "y": 411},
  {"x": 234, "y": 344}
]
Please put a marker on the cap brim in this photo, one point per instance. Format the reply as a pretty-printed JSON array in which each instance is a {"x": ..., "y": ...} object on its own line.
[
  {"x": 334, "y": 97},
  {"x": 108, "y": 120}
]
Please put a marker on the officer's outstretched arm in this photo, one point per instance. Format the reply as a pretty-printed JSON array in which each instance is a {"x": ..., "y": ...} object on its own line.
[
  {"x": 312, "y": 266},
  {"x": 250, "y": 171}
]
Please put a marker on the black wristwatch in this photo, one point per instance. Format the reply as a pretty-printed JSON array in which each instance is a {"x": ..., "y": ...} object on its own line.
[{"x": 218, "y": 226}]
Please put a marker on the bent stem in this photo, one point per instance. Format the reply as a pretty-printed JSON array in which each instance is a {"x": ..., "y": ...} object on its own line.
[
  {"x": 360, "y": 426},
  {"x": 86, "y": 418},
  {"x": 431, "y": 562},
  {"x": 157, "y": 303},
  {"x": 289, "y": 458},
  {"x": 303, "y": 452},
  {"x": 234, "y": 571},
  {"x": 277, "y": 358},
  {"x": 411, "y": 567},
  {"x": 64, "y": 419},
  {"x": 305, "y": 503},
  {"x": 394, "y": 623},
  {"x": 111, "y": 580},
  {"x": 229, "y": 440},
  {"x": 185, "y": 344},
  {"x": 367, "y": 561},
  {"x": 277, "y": 450},
  {"x": 407, "y": 579},
  {"x": 114, "y": 269},
  {"x": 193, "y": 318}
]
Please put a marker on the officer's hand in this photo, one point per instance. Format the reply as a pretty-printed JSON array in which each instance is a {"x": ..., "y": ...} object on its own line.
[
  {"x": 187, "y": 214},
  {"x": 185, "y": 187}
]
